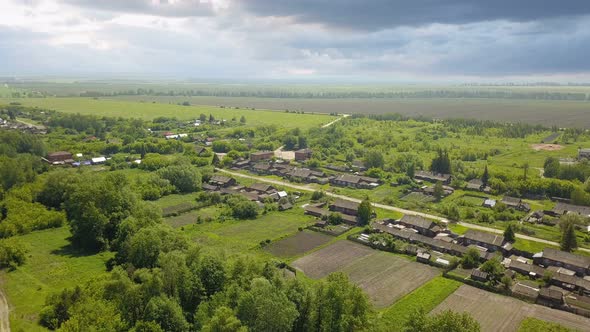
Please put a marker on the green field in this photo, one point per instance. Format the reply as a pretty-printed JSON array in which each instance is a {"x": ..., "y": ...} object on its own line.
[
  {"x": 51, "y": 266},
  {"x": 530, "y": 324},
  {"x": 427, "y": 297},
  {"x": 148, "y": 111},
  {"x": 545, "y": 112}
]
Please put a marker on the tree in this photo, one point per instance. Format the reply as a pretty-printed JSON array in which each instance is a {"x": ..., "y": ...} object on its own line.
[
  {"x": 290, "y": 142},
  {"x": 438, "y": 191},
  {"x": 441, "y": 163},
  {"x": 212, "y": 274},
  {"x": 243, "y": 209},
  {"x": 94, "y": 315},
  {"x": 224, "y": 320},
  {"x": 12, "y": 253},
  {"x": 301, "y": 142},
  {"x": 551, "y": 167},
  {"x": 335, "y": 218},
  {"x": 243, "y": 119},
  {"x": 185, "y": 178},
  {"x": 203, "y": 117},
  {"x": 374, "y": 159},
  {"x": 509, "y": 234},
  {"x": 411, "y": 170},
  {"x": 568, "y": 239},
  {"x": 525, "y": 168},
  {"x": 471, "y": 259},
  {"x": 486, "y": 176},
  {"x": 493, "y": 268},
  {"x": 167, "y": 313},
  {"x": 449, "y": 321},
  {"x": 365, "y": 210}
]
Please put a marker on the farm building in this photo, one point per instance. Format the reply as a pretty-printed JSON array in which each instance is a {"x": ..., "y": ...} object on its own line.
[
  {"x": 584, "y": 153},
  {"x": 261, "y": 155},
  {"x": 489, "y": 203},
  {"x": 515, "y": 203},
  {"x": 554, "y": 257},
  {"x": 345, "y": 207},
  {"x": 550, "y": 297},
  {"x": 261, "y": 188},
  {"x": 316, "y": 211},
  {"x": 525, "y": 292},
  {"x": 98, "y": 160},
  {"x": 423, "y": 257},
  {"x": 305, "y": 175},
  {"x": 422, "y": 225},
  {"x": 492, "y": 242},
  {"x": 209, "y": 187},
  {"x": 429, "y": 190},
  {"x": 477, "y": 185},
  {"x": 261, "y": 168},
  {"x": 478, "y": 275},
  {"x": 222, "y": 181},
  {"x": 59, "y": 156},
  {"x": 355, "y": 181},
  {"x": 303, "y": 154},
  {"x": 433, "y": 177},
  {"x": 530, "y": 270},
  {"x": 563, "y": 208}
]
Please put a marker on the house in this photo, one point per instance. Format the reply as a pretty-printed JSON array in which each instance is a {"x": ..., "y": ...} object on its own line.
[
  {"x": 355, "y": 181},
  {"x": 584, "y": 154},
  {"x": 201, "y": 151},
  {"x": 423, "y": 257},
  {"x": 429, "y": 190},
  {"x": 474, "y": 184},
  {"x": 515, "y": 203},
  {"x": 261, "y": 168},
  {"x": 554, "y": 257},
  {"x": 209, "y": 187},
  {"x": 423, "y": 226},
  {"x": 478, "y": 275},
  {"x": 525, "y": 292},
  {"x": 303, "y": 154},
  {"x": 261, "y": 155},
  {"x": 433, "y": 177},
  {"x": 59, "y": 157},
  {"x": 489, "y": 203},
  {"x": 492, "y": 242},
  {"x": 222, "y": 181},
  {"x": 563, "y": 208},
  {"x": 550, "y": 297},
  {"x": 316, "y": 211},
  {"x": 533, "y": 271},
  {"x": 261, "y": 188},
  {"x": 285, "y": 206},
  {"x": 98, "y": 160},
  {"x": 345, "y": 207}
]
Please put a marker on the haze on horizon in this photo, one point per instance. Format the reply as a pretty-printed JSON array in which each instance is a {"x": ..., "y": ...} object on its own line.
[{"x": 348, "y": 40}]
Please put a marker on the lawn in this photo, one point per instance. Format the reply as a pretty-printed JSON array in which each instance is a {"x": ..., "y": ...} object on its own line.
[
  {"x": 51, "y": 266},
  {"x": 427, "y": 297},
  {"x": 148, "y": 111}
]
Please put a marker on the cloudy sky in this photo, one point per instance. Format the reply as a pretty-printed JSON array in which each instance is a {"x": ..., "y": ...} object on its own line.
[{"x": 381, "y": 40}]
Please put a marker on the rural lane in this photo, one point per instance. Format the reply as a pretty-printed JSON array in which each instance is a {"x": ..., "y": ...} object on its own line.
[
  {"x": 4, "y": 311},
  {"x": 388, "y": 207}
]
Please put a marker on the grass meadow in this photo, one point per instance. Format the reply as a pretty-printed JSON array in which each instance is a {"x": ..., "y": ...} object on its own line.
[
  {"x": 148, "y": 111},
  {"x": 51, "y": 266}
]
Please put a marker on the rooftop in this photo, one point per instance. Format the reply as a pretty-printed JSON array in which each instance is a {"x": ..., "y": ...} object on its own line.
[
  {"x": 483, "y": 237},
  {"x": 566, "y": 257}
]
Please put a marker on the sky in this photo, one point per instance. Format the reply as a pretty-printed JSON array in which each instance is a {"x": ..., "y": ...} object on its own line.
[{"x": 345, "y": 40}]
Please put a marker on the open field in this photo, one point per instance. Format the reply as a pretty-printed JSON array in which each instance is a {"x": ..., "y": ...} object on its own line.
[
  {"x": 545, "y": 112},
  {"x": 51, "y": 266},
  {"x": 501, "y": 313},
  {"x": 383, "y": 276},
  {"x": 148, "y": 111},
  {"x": 427, "y": 297},
  {"x": 242, "y": 235},
  {"x": 298, "y": 244},
  {"x": 536, "y": 325}
]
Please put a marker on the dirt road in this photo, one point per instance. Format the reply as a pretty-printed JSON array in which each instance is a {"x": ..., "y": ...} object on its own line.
[
  {"x": 387, "y": 207},
  {"x": 4, "y": 311},
  {"x": 333, "y": 122}
]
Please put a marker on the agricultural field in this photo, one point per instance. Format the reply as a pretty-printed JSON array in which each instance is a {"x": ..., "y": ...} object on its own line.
[
  {"x": 52, "y": 265},
  {"x": 383, "y": 276},
  {"x": 298, "y": 244},
  {"x": 149, "y": 111},
  {"x": 427, "y": 297},
  {"x": 545, "y": 112},
  {"x": 500, "y": 313}
]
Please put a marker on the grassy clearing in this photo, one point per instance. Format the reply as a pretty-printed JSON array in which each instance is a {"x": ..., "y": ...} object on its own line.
[
  {"x": 148, "y": 111},
  {"x": 427, "y": 297},
  {"x": 243, "y": 235},
  {"x": 51, "y": 266},
  {"x": 530, "y": 324}
]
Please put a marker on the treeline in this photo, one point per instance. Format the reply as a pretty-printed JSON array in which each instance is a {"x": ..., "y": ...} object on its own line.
[{"x": 484, "y": 93}]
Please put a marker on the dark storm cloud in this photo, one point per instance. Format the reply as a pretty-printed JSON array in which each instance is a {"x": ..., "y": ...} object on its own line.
[
  {"x": 380, "y": 14},
  {"x": 181, "y": 8}
]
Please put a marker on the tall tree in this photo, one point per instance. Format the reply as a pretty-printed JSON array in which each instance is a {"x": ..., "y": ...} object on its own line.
[
  {"x": 567, "y": 224},
  {"x": 486, "y": 176},
  {"x": 438, "y": 191},
  {"x": 364, "y": 212},
  {"x": 525, "y": 168},
  {"x": 509, "y": 234},
  {"x": 374, "y": 159}
]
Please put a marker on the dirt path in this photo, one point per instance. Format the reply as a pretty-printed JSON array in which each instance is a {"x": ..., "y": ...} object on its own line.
[
  {"x": 4, "y": 311},
  {"x": 333, "y": 122},
  {"x": 388, "y": 207}
]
